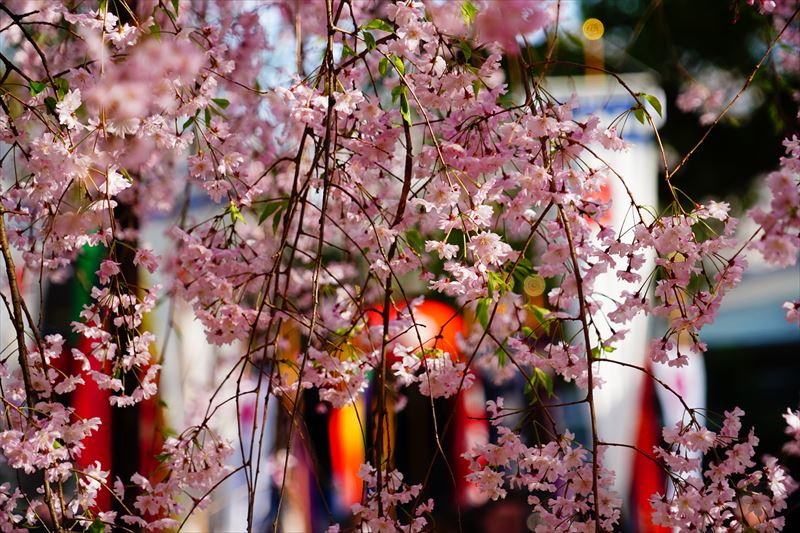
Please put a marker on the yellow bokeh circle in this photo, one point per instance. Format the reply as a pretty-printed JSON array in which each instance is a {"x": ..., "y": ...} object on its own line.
[{"x": 593, "y": 29}]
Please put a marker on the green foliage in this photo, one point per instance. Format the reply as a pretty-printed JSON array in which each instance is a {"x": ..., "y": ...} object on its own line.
[
  {"x": 369, "y": 40},
  {"x": 482, "y": 311},
  {"x": 383, "y": 66},
  {"x": 653, "y": 101},
  {"x": 36, "y": 87},
  {"x": 378, "y": 24},
  {"x": 468, "y": 12},
  {"x": 405, "y": 110},
  {"x": 62, "y": 87},
  {"x": 235, "y": 213},
  {"x": 273, "y": 208},
  {"x": 222, "y": 102}
]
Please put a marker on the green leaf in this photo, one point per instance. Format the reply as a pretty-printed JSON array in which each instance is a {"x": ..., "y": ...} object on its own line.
[
  {"x": 62, "y": 87},
  {"x": 638, "y": 112},
  {"x": 653, "y": 101},
  {"x": 222, "y": 102},
  {"x": 525, "y": 265},
  {"x": 207, "y": 117},
  {"x": 97, "y": 526},
  {"x": 36, "y": 87},
  {"x": 235, "y": 213},
  {"x": 415, "y": 240},
  {"x": 476, "y": 87},
  {"x": 383, "y": 66},
  {"x": 544, "y": 379},
  {"x": 466, "y": 49},
  {"x": 468, "y": 11},
  {"x": 276, "y": 221},
  {"x": 188, "y": 123},
  {"x": 378, "y": 24},
  {"x": 155, "y": 30},
  {"x": 50, "y": 103},
  {"x": 540, "y": 313},
  {"x": 405, "y": 111},
  {"x": 526, "y": 390},
  {"x": 398, "y": 64},
  {"x": 347, "y": 51},
  {"x": 272, "y": 206},
  {"x": 482, "y": 311},
  {"x": 163, "y": 456},
  {"x": 175, "y": 5},
  {"x": 396, "y": 92},
  {"x": 496, "y": 281},
  {"x": 369, "y": 40}
]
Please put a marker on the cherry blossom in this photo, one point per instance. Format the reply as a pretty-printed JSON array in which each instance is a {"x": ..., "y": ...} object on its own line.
[{"x": 310, "y": 217}]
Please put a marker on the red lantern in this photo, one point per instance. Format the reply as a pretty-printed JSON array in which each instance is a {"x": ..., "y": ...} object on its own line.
[{"x": 437, "y": 327}]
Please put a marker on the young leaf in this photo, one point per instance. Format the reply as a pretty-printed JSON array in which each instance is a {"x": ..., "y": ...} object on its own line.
[
  {"x": 235, "y": 213},
  {"x": 638, "y": 112},
  {"x": 482, "y": 311},
  {"x": 50, "y": 103},
  {"x": 378, "y": 24},
  {"x": 540, "y": 313},
  {"x": 653, "y": 101},
  {"x": 347, "y": 51},
  {"x": 405, "y": 111},
  {"x": 161, "y": 457},
  {"x": 466, "y": 49},
  {"x": 398, "y": 64},
  {"x": 396, "y": 92},
  {"x": 222, "y": 102},
  {"x": 276, "y": 220},
  {"x": 476, "y": 87},
  {"x": 545, "y": 380},
  {"x": 36, "y": 87},
  {"x": 272, "y": 206},
  {"x": 383, "y": 66},
  {"x": 415, "y": 240},
  {"x": 155, "y": 30},
  {"x": 369, "y": 39},
  {"x": 468, "y": 12},
  {"x": 62, "y": 87}
]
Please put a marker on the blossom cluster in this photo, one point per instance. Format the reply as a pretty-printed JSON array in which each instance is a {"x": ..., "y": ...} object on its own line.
[{"x": 304, "y": 221}]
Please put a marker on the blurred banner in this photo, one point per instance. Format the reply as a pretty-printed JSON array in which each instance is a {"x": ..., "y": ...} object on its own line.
[{"x": 619, "y": 419}]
